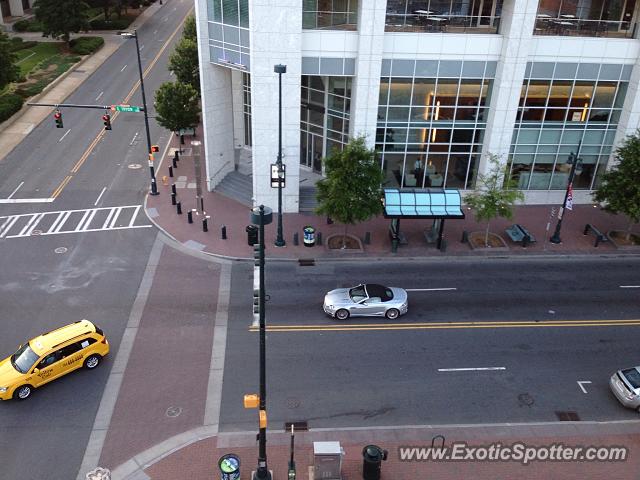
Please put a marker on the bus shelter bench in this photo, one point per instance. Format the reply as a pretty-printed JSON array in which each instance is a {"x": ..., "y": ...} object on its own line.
[
  {"x": 519, "y": 234},
  {"x": 600, "y": 237}
]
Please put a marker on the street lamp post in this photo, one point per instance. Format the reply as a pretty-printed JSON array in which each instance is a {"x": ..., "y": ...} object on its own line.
[
  {"x": 280, "y": 69},
  {"x": 575, "y": 162},
  {"x": 262, "y": 216},
  {"x": 154, "y": 186}
]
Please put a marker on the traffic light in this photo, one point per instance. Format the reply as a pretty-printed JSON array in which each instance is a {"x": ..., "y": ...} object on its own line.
[
  {"x": 257, "y": 255},
  {"x": 106, "y": 119},
  {"x": 155, "y": 148},
  {"x": 252, "y": 234},
  {"x": 58, "y": 118}
]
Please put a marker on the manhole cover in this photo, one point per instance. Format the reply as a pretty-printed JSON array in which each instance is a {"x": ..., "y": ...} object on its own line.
[
  {"x": 525, "y": 399},
  {"x": 293, "y": 402},
  {"x": 173, "y": 412},
  {"x": 36, "y": 232},
  {"x": 61, "y": 250},
  {"x": 134, "y": 166}
]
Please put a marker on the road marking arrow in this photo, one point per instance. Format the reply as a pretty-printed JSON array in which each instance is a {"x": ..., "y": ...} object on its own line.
[{"x": 580, "y": 382}]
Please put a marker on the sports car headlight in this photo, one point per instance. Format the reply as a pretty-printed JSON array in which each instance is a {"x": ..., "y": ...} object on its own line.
[{"x": 3, "y": 389}]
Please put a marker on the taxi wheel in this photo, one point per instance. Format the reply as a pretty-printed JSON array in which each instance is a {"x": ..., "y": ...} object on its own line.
[
  {"x": 342, "y": 314},
  {"x": 392, "y": 314},
  {"x": 92, "y": 362},
  {"x": 23, "y": 392}
]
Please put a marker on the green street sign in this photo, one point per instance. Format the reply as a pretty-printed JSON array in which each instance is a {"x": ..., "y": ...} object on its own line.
[{"x": 127, "y": 108}]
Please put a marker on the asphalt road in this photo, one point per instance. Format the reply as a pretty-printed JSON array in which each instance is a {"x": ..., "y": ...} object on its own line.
[
  {"x": 379, "y": 372},
  {"x": 97, "y": 273}
]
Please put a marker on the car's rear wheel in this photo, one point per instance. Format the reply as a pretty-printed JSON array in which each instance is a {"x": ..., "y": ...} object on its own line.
[
  {"x": 23, "y": 392},
  {"x": 342, "y": 314},
  {"x": 92, "y": 362},
  {"x": 392, "y": 313}
]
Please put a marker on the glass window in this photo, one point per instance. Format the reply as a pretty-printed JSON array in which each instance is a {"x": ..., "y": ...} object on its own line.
[
  {"x": 447, "y": 92},
  {"x": 424, "y": 91},
  {"x": 604, "y": 95},
  {"x": 400, "y": 91},
  {"x": 559, "y": 94},
  {"x": 537, "y": 93}
]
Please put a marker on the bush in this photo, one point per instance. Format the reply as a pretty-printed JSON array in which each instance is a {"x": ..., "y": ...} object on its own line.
[
  {"x": 10, "y": 103},
  {"x": 86, "y": 45},
  {"x": 16, "y": 43},
  {"x": 112, "y": 24},
  {"x": 27, "y": 26}
]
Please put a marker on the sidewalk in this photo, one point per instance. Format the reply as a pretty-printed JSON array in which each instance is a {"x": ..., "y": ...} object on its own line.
[{"x": 224, "y": 211}]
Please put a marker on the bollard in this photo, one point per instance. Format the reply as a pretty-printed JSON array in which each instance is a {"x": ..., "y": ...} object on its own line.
[
  {"x": 173, "y": 198},
  {"x": 443, "y": 245},
  {"x": 465, "y": 237},
  {"x": 319, "y": 238},
  {"x": 175, "y": 165},
  {"x": 205, "y": 225},
  {"x": 176, "y": 156},
  {"x": 173, "y": 188},
  {"x": 367, "y": 238},
  {"x": 190, "y": 216},
  {"x": 170, "y": 171},
  {"x": 295, "y": 239},
  {"x": 224, "y": 232},
  {"x": 586, "y": 229},
  {"x": 179, "y": 208}
]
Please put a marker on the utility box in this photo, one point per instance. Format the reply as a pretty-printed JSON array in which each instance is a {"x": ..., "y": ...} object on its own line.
[{"x": 327, "y": 460}]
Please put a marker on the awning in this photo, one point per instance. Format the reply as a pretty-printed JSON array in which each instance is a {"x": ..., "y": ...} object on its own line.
[{"x": 422, "y": 203}]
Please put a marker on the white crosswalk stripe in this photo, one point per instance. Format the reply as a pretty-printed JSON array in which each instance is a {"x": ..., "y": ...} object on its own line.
[{"x": 71, "y": 221}]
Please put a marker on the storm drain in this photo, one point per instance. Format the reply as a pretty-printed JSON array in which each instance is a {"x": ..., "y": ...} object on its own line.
[
  {"x": 297, "y": 426},
  {"x": 306, "y": 262},
  {"x": 568, "y": 416}
]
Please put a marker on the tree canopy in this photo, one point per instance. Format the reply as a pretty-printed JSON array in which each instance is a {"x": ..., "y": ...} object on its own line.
[
  {"x": 619, "y": 190},
  {"x": 183, "y": 62},
  {"x": 60, "y": 18},
  {"x": 351, "y": 191},
  {"x": 177, "y": 106},
  {"x": 9, "y": 71},
  {"x": 189, "y": 30}
]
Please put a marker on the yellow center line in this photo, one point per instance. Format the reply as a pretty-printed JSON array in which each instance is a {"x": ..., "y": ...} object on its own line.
[
  {"x": 99, "y": 136},
  {"x": 450, "y": 326}
]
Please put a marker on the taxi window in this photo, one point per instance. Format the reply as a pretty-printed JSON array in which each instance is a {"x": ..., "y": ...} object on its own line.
[{"x": 86, "y": 342}]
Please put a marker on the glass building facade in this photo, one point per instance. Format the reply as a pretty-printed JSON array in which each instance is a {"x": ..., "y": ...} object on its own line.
[
  {"x": 330, "y": 14},
  {"x": 229, "y": 33},
  {"x": 246, "y": 108}
]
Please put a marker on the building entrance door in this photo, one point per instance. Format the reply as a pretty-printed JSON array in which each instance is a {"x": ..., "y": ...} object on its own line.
[{"x": 312, "y": 151}]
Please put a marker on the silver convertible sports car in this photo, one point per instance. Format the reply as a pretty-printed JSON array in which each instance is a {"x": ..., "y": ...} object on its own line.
[{"x": 370, "y": 300}]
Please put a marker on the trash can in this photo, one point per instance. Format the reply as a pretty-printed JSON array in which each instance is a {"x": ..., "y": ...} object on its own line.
[
  {"x": 372, "y": 458},
  {"x": 309, "y": 236},
  {"x": 229, "y": 466},
  {"x": 252, "y": 235}
]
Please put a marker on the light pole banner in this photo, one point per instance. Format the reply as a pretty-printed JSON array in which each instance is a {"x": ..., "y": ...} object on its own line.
[{"x": 570, "y": 197}]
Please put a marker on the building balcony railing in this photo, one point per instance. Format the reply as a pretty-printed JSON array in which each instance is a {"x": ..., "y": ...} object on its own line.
[
  {"x": 569, "y": 25},
  {"x": 329, "y": 20},
  {"x": 432, "y": 22}
]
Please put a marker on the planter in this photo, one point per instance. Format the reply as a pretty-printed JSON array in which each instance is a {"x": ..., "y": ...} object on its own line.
[
  {"x": 496, "y": 242},
  {"x": 353, "y": 243},
  {"x": 617, "y": 238}
]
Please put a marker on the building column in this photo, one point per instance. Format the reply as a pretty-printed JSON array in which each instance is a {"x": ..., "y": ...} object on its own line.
[
  {"x": 366, "y": 84},
  {"x": 15, "y": 7},
  {"x": 217, "y": 107},
  {"x": 238, "y": 109},
  {"x": 516, "y": 26},
  {"x": 276, "y": 35}
]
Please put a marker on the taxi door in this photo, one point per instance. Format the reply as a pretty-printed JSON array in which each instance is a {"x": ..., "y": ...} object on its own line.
[{"x": 47, "y": 369}]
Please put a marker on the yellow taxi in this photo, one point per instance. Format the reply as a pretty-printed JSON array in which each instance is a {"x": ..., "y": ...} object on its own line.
[{"x": 50, "y": 356}]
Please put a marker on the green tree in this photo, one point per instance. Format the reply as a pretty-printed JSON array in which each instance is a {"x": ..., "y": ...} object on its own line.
[
  {"x": 183, "y": 62},
  {"x": 495, "y": 195},
  {"x": 60, "y": 18},
  {"x": 177, "y": 105},
  {"x": 189, "y": 30},
  {"x": 105, "y": 5},
  {"x": 9, "y": 71},
  {"x": 620, "y": 187},
  {"x": 351, "y": 191}
]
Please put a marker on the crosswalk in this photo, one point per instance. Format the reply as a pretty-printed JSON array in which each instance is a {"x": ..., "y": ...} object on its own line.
[{"x": 71, "y": 221}]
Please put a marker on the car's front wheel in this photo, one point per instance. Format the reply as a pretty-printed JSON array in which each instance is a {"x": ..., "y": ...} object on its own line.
[
  {"x": 92, "y": 362},
  {"x": 23, "y": 392},
  {"x": 392, "y": 314},
  {"x": 342, "y": 314}
]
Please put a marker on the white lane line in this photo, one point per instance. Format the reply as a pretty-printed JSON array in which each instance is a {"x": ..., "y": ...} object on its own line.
[
  {"x": 4, "y": 230},
  {"x": 55, "y": 223},
  {"x": 580, "y": 384},
  {"x": 98, "y": 97},
  {"x": 32, "y": 221},
  {"x": 141, "y": 47},
  {"x": 17, "y": 188},
  {"x": 82, "y": 220},
  {"x": 90, "y": 219},
  {"x": 156, "y": 31},
  {"x": 429, "y": 289},
  {"x": 64, "y": 218},
  {"x": 106, "y": 222},
  {"x": 133, "y": 217},
  {"x": 115, "y": 217},
  {"x": 472, "y": 369},
  {"x": 26, "y": 200},
  {"x": 35, "y": 223},
  {"x": 62, "y": 138},
  {"x": 133, "y": 139},
  {"x": 100, "y": 196},
  {"x": 123, "y": 69},
  {"x": 629, "y": 286}
]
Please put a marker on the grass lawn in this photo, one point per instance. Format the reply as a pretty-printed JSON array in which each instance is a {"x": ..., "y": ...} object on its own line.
[{"x": 30, "y": 57}]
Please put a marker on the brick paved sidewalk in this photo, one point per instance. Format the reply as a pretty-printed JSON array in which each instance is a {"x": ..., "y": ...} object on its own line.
[{"x": 224, "y": 211}]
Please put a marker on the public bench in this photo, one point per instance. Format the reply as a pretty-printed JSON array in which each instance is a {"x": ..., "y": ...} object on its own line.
[
  {"x": 600, "y": 237},
  {"x": 519, "y": 234}
]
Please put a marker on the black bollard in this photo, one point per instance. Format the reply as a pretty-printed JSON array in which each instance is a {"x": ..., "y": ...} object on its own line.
[
  {"x": 465, "y": 237},
  {"x": 319, "y": 238},
  {"x": 175, "y": 165},
  {"x": 205, "y": 226},
  {"x": 176, "y": 156},
  {"x": 295, "y": 238},
  {"x": 190, "y": 216},
  {"x": 224, "y": 232},
  {"x": 367, "y": 238},
  {"x": 173, "y": 189},
  {"x": 179, "y": 208},
  {"x": 173, "y": 198},
  {"x": 170, "y": 171}
]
